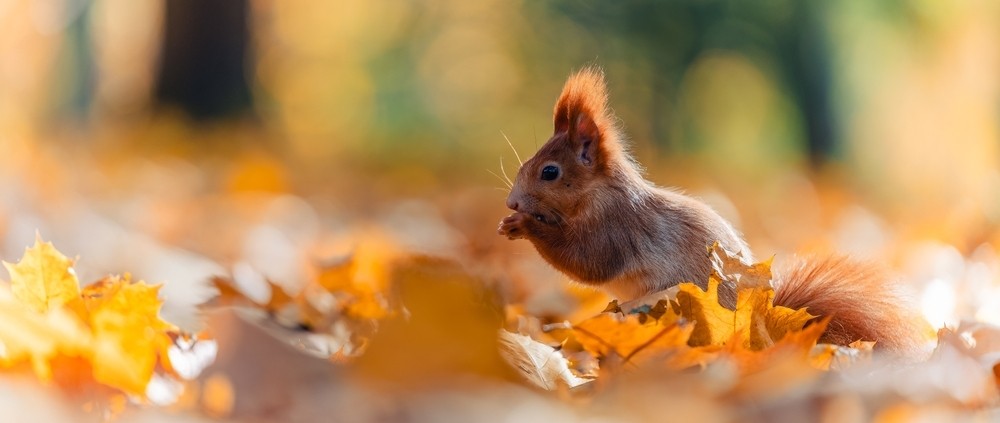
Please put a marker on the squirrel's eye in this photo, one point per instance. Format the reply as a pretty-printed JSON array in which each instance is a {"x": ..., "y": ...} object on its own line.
[{"x": 549, "y": 173}]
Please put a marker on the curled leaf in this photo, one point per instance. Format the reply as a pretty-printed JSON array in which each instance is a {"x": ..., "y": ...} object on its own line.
[
  {"x": 730, "y": 267},
  {"x": 540, "y": 364}
]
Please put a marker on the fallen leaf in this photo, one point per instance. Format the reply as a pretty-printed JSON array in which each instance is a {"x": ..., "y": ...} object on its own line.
[
  {"x": 761, "y": 321},
  {"x": 729, "y": 267},
  {"x": 538, "y": 363},
  {"x": 450, "y": 331},
  {"x": 38, "y": 338},
  {"x": 956, "y": 369},
  {"x": 714, "y": 324},
  {"x": 110, "y": 330},
  {"x": 43, "y": 279},
  {"x": 996, "y": 374},
  {"x": 279, "y": 298},
  {"x": 612, "y": 307},
  {"x": 840, "y": 357},
  {"x": 128, "y": 334},
  {"x": 610, "y": 334},
  {"x": 229, "y": 294},
  {"x": 337, "y": 275}
]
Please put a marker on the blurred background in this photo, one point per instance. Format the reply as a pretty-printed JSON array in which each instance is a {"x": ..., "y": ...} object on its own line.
[{"x": 185, "y": 138}]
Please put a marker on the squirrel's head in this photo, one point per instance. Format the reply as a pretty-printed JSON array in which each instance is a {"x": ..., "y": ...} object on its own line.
[{"x": 577, "y": 160}]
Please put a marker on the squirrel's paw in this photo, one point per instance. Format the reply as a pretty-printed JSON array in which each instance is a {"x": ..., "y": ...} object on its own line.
[{"x": 514, "y": 226}]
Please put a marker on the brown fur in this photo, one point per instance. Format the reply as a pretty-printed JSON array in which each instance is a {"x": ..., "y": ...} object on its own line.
[
  {"x": 603, "y": 224},
  {"x": 864, "y": 301}
]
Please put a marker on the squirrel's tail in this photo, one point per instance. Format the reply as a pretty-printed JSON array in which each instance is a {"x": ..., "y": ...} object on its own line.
[{"x": 864, "y": 303}]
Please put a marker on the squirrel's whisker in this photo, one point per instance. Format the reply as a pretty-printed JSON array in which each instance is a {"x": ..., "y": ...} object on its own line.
[
  {"x": 518, "y": 156},
  {"x": 509, "y": 182},
  {"x": 506, "y": 182}
]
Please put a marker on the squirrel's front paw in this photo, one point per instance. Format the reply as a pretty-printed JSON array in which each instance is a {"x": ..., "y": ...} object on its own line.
[{"x": 514, "y": 226}]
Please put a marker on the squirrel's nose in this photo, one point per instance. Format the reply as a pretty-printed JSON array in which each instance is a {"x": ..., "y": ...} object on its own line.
[{"x": 512, "y": 204}]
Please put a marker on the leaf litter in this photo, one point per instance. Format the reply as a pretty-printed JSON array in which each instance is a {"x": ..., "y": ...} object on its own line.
[{"x": 414, "y": 329}]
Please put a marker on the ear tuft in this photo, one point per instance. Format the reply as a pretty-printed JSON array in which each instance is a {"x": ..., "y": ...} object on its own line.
[{"x": 582, "y": 112}]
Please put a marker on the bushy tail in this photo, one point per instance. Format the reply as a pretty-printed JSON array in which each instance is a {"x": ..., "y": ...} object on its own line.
[{"x": 864, "y": 301}]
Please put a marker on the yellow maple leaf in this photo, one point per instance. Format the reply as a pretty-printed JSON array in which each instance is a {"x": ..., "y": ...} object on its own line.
[
  {"x": 128, "y": 333},
  {"x": 38, "y": 338},
  {"x": 714, "y": 324},
  {"x": 43, "y": 279},
  {"x": 756, "y": 322},
  {"x": 110, "y": 330},
  {"x": 761, "y": 322}
]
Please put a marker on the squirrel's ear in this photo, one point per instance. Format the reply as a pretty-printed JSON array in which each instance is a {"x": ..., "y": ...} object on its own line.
[
  {"x": 582, "y": 114},
  {"x": 586, "y": 137},
  {"x": 561, "y": 117},
  {"x": 583, "y": 134}
]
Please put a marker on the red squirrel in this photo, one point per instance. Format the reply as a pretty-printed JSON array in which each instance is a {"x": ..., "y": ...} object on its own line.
[{"x": 584, "y": 204}]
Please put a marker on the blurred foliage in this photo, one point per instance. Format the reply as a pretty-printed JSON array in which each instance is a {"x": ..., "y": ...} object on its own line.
[{"x": 803, "y": 122}]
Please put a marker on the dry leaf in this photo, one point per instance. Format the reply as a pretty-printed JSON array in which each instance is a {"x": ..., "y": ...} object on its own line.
[
  {"x": 996, "y": 374},
  {"x": 338, "y": 306},
  {"x": 956, "y": 369},
  {"x": 651, "y": 300},
  {"x": 337, "y": 275},
  {"x": 610, "y": 334},
  {"x": 279, "y": 298},
  {"x": 28, "y": 336},
  {"x": 839, "y": 357},
  {"x": 450, "y": 330},
  {"x": 540, "y": 364},
  {"x": 778, "y": 370},
  {"x": 110, "y": 330},
  {"x": 732, "y": 268},
  {"x": 129, "y": 335},
  {"x": 762, "y": 321},
  {"x": 714, "y": 324},
  {"x": 230, "y": 295}
]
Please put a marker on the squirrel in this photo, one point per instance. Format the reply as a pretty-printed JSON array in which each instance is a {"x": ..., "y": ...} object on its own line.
[{"x": 584, "y": 204}]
